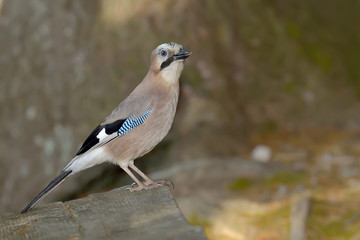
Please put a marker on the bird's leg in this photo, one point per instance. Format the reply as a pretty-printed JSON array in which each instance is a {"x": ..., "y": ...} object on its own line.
[
  {"x": 148, "y": 181},
  {"x": 139, "y": 186}
]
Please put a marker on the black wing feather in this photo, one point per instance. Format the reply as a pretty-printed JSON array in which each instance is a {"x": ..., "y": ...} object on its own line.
[
  {"x": 92, "y": 139},
  {"x": 114, "y": 127}
]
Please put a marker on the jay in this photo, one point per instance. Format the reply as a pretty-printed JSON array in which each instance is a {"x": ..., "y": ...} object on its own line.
[{"x": 135, "y": 126}]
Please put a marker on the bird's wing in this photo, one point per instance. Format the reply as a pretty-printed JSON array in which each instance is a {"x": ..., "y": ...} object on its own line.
[
  {"x": 132, "y": 105},
  {"x": 100, "y": 136},
  {"x": 131, "y": 113},
  {"x": 107, "y": 132}
]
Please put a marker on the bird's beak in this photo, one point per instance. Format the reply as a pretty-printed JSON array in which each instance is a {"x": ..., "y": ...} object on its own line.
[{"x": 183, "y": 54}]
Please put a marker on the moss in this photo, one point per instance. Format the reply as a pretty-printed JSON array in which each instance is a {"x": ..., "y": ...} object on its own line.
[
  {"x": 287, "y": 178},
  {"x": 276, "y": 219},
  {"x": 240, "y": 184},
  {"x": 195, "y": 220},
  {"x": 293, "y": 30},
  {"x": 319, "y": 211},
  {"x": 333, "y": 229},
  {"x": 320, "y": 57},
  {"x": 193, "y": 77},
  {"x": 331, "y": 220},
  {"x": 282, "y": 178},
  {"x": 289, "y": 87},
  {"x": 267, "y": 127}
]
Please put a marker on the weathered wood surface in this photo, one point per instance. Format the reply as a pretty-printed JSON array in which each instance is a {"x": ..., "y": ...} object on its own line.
[
  {"x": 118, "y": 214},
  {"x": 299, "y": 215}
]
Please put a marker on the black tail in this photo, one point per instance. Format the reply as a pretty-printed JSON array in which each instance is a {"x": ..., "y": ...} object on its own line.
[{"x": 54, "y": 183}]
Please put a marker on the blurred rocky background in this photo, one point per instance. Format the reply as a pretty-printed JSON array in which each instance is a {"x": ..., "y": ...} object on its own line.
[{"x": 269, "y": 114}]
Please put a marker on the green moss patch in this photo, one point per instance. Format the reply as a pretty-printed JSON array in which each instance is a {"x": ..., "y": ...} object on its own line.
[
  {"x": 240, "y": 184},
  {"x": 287, "y": 178},
  {"x": 196, "y": 220}
]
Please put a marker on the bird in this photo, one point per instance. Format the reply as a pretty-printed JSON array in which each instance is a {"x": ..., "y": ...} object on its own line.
[{"x": 135, "y": 126}]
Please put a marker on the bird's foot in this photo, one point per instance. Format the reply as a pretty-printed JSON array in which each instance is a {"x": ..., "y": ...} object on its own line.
[
  {"x": 135, "y": 187},
  {"x": 149, "y": 185},
  {"x": 160, "y": 182}
]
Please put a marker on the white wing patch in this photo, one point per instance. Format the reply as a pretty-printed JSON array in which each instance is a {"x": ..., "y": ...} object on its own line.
[{"x": 101, "y": 135}]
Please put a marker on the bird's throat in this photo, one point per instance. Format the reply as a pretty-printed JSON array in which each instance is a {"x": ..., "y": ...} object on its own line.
[{"x": 171, "y": 74}]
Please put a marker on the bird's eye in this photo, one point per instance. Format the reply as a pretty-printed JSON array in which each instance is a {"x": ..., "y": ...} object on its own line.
[{"x": 163, "y": 53}]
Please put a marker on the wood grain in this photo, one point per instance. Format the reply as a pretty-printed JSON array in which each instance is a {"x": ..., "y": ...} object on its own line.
[{"x": 117, "y": 214}]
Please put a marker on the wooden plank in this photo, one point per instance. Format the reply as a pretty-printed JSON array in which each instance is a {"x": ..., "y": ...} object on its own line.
[{"x": 118, "y": 214}]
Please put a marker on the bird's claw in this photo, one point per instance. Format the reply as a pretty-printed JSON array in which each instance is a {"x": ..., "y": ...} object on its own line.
[
  {"x": 134, "y": 187},
  {"x": 161, "y": 182}
]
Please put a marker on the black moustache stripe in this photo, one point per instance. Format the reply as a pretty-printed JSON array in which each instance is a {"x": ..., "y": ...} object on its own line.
[{"x": 166, "y": 63}]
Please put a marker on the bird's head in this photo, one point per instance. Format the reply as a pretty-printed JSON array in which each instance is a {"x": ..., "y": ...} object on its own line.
[{"x": 168, "y": 60}]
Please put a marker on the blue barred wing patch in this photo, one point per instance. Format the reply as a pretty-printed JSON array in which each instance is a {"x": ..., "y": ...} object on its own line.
[{"x": 132, "y": 122}]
